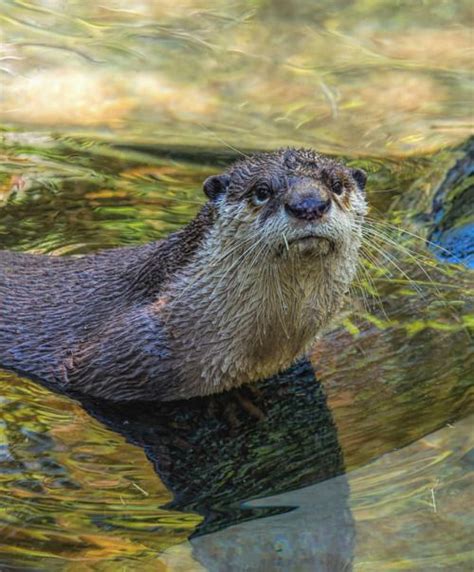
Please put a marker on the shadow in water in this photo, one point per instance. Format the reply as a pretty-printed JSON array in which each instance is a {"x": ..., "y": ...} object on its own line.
[{"x": 217, "y": 459}]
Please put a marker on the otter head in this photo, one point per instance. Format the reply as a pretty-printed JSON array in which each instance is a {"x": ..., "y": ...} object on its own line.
[
  {"x": 278, "y": 253},
  {"x": 292, "y": 201}
]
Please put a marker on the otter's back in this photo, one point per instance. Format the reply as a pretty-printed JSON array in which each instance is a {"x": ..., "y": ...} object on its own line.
[{"x": 49, "y": 304}]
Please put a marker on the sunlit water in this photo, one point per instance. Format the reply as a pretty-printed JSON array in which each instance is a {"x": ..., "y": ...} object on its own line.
[{"x": 113, "y": 114}]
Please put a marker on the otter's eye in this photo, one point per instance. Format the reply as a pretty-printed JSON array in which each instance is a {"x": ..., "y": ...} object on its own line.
[
  {"x": 261, "y": 195},
  {"x": 337, "y": 187}
]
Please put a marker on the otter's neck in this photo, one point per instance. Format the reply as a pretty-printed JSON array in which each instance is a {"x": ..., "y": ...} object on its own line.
[
  {"x": 238, "y": 315},
  {"x": 160, "y": 261}
]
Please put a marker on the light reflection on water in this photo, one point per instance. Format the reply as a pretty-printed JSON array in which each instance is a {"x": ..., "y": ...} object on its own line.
[
  {"x": 359, "y": 77},
  {"x": 152, "y": 95}
]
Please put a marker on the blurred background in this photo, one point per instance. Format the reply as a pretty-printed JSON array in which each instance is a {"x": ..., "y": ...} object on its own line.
[{"x": 365, "y": 76}]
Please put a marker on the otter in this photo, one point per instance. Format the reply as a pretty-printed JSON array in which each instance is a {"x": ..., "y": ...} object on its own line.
[{"x": 234, "y": 297}]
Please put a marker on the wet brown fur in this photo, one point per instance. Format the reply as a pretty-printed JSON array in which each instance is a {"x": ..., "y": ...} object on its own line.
[{"x": 224, "y": 301}]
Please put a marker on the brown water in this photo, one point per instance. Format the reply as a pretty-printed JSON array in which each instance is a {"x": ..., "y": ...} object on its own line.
[{"x": 113, "y": 114}]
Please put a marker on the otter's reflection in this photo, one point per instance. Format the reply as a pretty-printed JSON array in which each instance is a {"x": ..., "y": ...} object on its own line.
[{"x": 215, "y": 466}]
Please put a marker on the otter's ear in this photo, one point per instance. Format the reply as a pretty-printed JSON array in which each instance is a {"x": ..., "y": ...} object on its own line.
[
  {"x": 216, "y": 185},
  {"x": 360, "y": 178}
]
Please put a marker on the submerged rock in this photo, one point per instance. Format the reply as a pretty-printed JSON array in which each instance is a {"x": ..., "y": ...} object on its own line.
[{"x": 453, "y": 212}]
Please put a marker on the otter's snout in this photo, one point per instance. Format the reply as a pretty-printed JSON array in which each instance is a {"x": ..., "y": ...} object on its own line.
[{"x": 307, "y": 208}]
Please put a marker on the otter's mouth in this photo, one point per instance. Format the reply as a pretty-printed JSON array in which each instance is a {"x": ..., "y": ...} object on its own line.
[{"x": 311, "y": 243}]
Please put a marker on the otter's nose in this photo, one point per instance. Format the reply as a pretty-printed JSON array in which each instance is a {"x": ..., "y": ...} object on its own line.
[{"x": 309, "y": 208}]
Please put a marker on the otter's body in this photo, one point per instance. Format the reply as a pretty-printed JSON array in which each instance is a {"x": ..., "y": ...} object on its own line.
[{"x": 234, "y": 297}]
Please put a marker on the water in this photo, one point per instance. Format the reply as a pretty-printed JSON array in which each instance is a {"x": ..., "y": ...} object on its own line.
[
  {"x": 368, "y": 77},
  {"x": 113, "y": 114}
]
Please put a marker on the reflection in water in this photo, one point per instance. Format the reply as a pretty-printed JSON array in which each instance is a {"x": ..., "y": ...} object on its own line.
[
  {"x": 215, "y": 461},
  {"x": 413, "y": 506}
]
